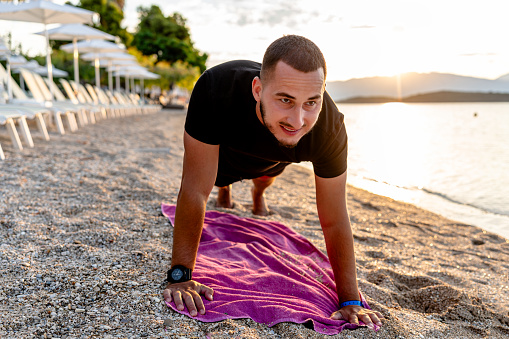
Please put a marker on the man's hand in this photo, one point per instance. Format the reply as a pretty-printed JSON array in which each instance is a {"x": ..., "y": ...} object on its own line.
[
  {"x": 190, "y": 293},
  {"x": 353, "y": 314}
]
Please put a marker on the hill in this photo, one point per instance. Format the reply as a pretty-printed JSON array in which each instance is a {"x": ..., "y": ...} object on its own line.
[
  {"x": 414, "y": 84},
  {"x": 442, "y": 96}
]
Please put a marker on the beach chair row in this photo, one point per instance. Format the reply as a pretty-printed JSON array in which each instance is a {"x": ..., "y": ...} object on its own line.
[{"x": 84, "y": 105}]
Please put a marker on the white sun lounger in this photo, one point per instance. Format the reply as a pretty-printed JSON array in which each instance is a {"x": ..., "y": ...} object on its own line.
[
  {"x": 84, "y": 111},
  {"x": 21, "y": 99},
  {"x": 41, "y": 94},
  {"x": 7, "y": 118},
  {"x": 11, "y": 114},
  {"x": 88, "y": 99},
  {"x": 78, "y": 98}
]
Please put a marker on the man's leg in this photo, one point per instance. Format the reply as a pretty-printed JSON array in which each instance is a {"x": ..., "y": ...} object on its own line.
[
  {"x": 224, "y": 197},
  {"x": 259, "y": 186}
]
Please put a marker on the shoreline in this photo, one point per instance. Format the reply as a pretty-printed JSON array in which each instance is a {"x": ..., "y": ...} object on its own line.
[
  {"x": 488, "y": 221},
  {"x": 85, "y": 248}
]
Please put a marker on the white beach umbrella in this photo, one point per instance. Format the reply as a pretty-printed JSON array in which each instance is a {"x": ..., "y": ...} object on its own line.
[
  {"x": 137, "y": 73},
  {"x": 111, "y": 59},
  {"x": 146, "y": 75},
  {"x": 29, "y": 65},
  {"x": 108, "y": 55},
  {"x": 45, "y": 12},
  {"x": 116, "y": 65},
  {"x": 96, "y": 47},
  {"x": 58, "y": 73},
  {"x": 128, "y": 71},
  {"x": 17, "y": 60},
  {"x": 75, "y": 32},
  {"x": 113, "y": 65}
]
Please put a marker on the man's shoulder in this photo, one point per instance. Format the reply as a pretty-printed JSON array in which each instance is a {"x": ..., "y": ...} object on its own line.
[
  {"x": 231, "y": 79},
  {"x": 235, "y": 66}
]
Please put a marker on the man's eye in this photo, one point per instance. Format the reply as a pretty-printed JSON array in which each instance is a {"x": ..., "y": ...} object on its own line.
[
  {"x": 311, "y": 103},
  {"x": 285, "y": 100}
]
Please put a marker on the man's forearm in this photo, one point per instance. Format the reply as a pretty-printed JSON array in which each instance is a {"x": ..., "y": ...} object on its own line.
[
  {"x": 340, "y": 249},
  {"x": 337, "y": 232},
  {"x": 189, "y": 217}
]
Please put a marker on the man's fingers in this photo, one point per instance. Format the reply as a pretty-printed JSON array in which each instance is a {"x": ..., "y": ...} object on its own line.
[
  {"x": 198, "y": 302},
  {"x": 337, "y": 315},
  {"x": 351, "y": 317},
  {"x": 366, "y": 319},
  {"x": 167, "y": 295},
  {"x": 189, "y": 300},
  {"x": 177, "y": 297},
  {"x": 188, "y": 295},
  {"x": 375, "y": 317},
  {"x": 355, "y": 314},
  {"x": 207, "y": 291}
]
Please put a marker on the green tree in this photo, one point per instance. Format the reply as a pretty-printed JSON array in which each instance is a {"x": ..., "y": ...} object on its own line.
[
  {"x": 179, "y": 73},
  {"x": 111, "y": 16},
  {"x": 167, "y": 38}
]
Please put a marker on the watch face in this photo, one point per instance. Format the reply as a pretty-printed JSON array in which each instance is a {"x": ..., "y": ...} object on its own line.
[{"x": 177, "y": 274}]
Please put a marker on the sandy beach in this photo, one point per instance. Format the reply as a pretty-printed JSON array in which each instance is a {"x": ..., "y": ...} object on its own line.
[{"x": 84, "y": 248}]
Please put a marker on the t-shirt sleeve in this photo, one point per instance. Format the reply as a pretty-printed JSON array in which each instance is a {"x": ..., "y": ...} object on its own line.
[
  {"x": 201, "y": 121},
  {"x": 331, "y": 160}
]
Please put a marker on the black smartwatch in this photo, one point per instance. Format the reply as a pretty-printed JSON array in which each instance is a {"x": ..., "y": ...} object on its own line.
[{"x": 179, "y": 273}]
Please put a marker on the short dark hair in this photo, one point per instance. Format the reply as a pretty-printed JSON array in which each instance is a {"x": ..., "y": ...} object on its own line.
[{"x": 295, "y": 51}]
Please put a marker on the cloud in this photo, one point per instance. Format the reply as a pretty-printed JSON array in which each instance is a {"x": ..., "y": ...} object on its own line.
[
  {"x": 478, "y": 54},
  {"x": 332, "y": 19},
  {"x": 362, "y": 27},
  {"x": 286, "y": 13}
]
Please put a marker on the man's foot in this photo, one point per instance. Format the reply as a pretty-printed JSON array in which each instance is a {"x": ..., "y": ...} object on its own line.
[
  {"x": 224, "y": 197},
  {"x": 259, "y": 186},
  {"x": 259, "y": 205}
]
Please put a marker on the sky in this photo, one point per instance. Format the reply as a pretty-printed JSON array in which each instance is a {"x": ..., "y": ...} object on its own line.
[{"x": 360, "y": 38}]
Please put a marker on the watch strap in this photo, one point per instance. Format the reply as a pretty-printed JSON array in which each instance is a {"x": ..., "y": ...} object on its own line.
[{"x": 187, "y": 274}]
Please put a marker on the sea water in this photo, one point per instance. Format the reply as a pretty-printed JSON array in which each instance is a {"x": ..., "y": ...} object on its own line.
[{"x": 449, "y": 158}]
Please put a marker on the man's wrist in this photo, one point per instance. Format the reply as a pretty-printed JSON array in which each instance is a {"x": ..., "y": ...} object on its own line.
[
  {"x": 179, "y": 273},
  {"x": 350, "y": 303}
]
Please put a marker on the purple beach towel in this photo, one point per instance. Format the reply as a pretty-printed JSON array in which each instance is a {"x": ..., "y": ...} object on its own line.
[{"x": 264, "y": 271}]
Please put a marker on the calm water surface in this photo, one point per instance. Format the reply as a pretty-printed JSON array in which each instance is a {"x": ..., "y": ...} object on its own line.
[{"x": 451, "y": 158}]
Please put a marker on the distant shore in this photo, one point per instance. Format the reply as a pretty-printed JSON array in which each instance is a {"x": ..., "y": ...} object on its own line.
[
  {"x": 438, "y": 97},
  {"x": 84, "y": 247}
]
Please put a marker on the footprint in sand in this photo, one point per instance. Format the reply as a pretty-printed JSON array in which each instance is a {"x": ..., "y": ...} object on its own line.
[
  {"x": 371, "y": 241},
  {"x": 375, "y": 254}
]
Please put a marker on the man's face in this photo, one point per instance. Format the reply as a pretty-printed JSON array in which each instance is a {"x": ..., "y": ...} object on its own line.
[{"x": 289, "y": 103}]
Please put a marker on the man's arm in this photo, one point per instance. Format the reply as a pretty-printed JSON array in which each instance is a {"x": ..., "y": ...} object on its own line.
[
  {"x": 337, "y": 232},
  {"x": 198, "y": 177}
]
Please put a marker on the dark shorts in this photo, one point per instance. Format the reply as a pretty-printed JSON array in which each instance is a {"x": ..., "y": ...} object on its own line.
[{"x": 223, "y": 179}]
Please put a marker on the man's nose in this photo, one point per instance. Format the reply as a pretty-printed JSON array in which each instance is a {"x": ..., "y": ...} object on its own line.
[{"x": 297, "y": 118}]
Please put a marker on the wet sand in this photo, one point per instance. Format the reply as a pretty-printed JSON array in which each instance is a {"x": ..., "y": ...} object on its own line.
[{"x": 84, "y": 247}]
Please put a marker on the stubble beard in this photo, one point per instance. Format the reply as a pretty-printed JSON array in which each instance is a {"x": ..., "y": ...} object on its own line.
[{"x": 272, "y": 129}]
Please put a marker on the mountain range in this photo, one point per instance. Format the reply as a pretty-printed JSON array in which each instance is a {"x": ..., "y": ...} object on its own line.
[{"x": 414, "y": 84}]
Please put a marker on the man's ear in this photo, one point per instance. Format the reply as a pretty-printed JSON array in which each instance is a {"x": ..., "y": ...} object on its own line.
[{"x": 257, "y": 88}]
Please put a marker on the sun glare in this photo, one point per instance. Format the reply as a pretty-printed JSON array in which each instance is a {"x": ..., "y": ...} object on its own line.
[{"x": 395, "y": 151}]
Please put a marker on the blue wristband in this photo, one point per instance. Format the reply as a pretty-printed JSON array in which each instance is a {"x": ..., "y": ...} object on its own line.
[{"x": 351, "y": 302}]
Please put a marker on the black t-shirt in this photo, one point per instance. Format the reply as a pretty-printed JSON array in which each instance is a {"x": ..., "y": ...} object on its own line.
[{"x": 222, "y": 111}]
